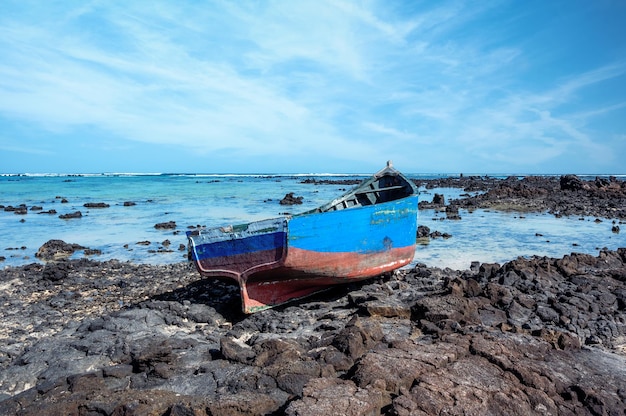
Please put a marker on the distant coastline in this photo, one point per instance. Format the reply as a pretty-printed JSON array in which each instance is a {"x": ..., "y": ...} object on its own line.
[{"x": 585, "y": 176}]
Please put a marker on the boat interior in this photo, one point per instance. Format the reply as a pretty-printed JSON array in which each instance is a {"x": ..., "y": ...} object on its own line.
[{"x": 386, "y": 185}]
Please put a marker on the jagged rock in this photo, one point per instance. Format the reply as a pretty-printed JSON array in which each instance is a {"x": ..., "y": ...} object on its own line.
[
  {"x": 439, "y": 199},
  {"x": 571, "y": 183},
  {"x": 289, "y": 199},
  {"x": 566, "y": 196},
  {"x": 57, "y": 249},
  {"x": 532, "y": 336},
  {"x": 423, "y": 231},
  {"x": 331, "y": 396}
]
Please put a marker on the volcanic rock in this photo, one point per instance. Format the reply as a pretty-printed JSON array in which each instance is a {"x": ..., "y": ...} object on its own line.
[
  {"x": 571, "y": 183},
  {"x": 289, "y": 199},
  {"x": 57, "y": 249},
  {"x": 71, "y": 215},
  {"x": 533, "y": 336},
  {"x": 422, "y": 231},
  {"x": 96, "y": 205},
  {"x": 170, "y": 225},
  {"x": 568, "y": 196}
]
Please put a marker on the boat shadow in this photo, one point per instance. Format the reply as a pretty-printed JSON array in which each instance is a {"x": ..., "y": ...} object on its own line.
[{"x": 224, "y": 297}]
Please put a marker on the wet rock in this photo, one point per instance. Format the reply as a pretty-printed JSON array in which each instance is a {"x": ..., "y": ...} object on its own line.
[
  {"x": 169, "y": 225},
  {"x": 423, "y": 231},
  {"x": 566, "y": 196},
  {"x": 96, "y": 205},
  {"x": 439, "y": 199},
  {"x": 21, "y": 209},
  {"x": 290, "y": 199},
  {"x": 71, "y": 215},
  {"x": 57, "y": 249},
  {"x": 452, "y": 212},
  {"x": 439, "y": 234},
  {"x": 314, "y": 181},
  {"x": 92, "y": 252}
]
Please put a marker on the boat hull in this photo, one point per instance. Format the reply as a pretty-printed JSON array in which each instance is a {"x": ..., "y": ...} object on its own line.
[
  {"x": 315, "y": 272},
  {"x": 281, "y": 260}
]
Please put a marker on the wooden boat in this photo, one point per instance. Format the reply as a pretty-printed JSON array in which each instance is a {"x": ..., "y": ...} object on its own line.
[{"x": 369, "y": 230}]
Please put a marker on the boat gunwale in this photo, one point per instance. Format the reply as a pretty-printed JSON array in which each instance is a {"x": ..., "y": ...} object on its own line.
[
  {"x": 322, "y": 209},
  {"x": 287, "y": 218}
]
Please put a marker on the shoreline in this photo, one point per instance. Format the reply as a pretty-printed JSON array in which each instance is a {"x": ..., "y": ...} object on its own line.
[
  {"x": 532, "y": 335},
  {"x": 567, "y": 196},
  {"x": 90, "y": 333}
]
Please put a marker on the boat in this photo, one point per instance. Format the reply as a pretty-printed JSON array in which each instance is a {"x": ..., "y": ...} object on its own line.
[{"x": 368, "y": 231}]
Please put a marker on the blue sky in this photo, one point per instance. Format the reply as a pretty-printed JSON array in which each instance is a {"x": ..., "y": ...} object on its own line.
[{"x": 313, "y": 86}]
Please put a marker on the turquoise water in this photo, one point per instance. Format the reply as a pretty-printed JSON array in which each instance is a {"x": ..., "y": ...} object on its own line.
[{"x": 217, "y": 200}]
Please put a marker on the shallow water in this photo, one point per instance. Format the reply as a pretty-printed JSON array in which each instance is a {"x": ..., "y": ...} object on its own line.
[
  {"x": 217, "y": 200},
  {"x": 496, "y": 237}
]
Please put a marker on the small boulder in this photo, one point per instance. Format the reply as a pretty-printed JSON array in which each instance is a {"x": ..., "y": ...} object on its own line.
[
  {"x": 170, "y": 225},
  {"x": 423, "y": 231},
  {"x": 289, "y": 199},
  {"x": 56, "y": 271},
  {"x": 571, "y": 183},
  {"x": 96, "y": 205},
  {"x": 71, "y": 215},
  {"x": 57, "y": 249},
  {"x": 439, "y": 199}
]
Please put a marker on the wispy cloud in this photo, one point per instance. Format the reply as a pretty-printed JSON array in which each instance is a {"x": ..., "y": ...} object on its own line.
[
  {"x": 24, "y": 149},
  {"x": 310, "y": 79}
]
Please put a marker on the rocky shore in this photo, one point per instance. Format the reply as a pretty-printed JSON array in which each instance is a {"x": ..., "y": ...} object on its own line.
[
  {"x": 567, "y": 195},
  {"x": 532, "y": 336}
]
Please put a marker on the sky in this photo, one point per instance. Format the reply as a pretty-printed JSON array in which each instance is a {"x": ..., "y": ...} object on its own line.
[{"x": 338, "y": 86}]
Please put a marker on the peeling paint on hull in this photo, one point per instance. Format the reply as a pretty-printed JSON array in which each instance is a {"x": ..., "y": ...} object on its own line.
[{"x": 312, "y": 272}]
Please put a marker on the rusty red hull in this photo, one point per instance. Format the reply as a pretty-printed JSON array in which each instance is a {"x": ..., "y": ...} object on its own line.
[{"x": 307, "y": 273}]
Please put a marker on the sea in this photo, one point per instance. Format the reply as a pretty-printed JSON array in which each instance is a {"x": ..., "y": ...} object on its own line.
[{"x": 125, "y": 230}]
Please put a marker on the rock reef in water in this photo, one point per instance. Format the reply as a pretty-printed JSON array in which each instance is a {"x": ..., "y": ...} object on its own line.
[
  {"x": 532, "y": 336},
  {"x": 564, "y": 196},
  {"x": 290, "y": 199},
  {"x": 57, "y": 249}
]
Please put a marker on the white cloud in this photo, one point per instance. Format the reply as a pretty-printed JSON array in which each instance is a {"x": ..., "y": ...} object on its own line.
[
  {"x": 304, "y": 78},
  {"x": 28, "y": 150}
]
